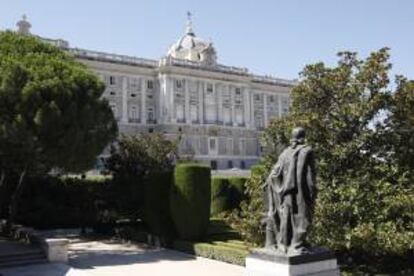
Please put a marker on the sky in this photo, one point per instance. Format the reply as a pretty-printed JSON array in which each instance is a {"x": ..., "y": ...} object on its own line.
[{"x": 269, "y": 37}]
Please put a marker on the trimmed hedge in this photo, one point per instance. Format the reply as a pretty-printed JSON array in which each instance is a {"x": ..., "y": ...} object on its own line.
[
  {"x": 49, "y": 202},
  {"x": 226, "y": 193},
  {"x": 234, "y": 253},
  {"x": 157, "y": 212},
  {"x": 190, "y": 200}
]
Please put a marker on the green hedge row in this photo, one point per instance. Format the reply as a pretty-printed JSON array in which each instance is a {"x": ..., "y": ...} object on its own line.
[
  {"x": 234, "y": 253},
  {"x": 226, "y": 193},
  {"x": 190, "y": 200},
  {"x": 61, "y": 202}
]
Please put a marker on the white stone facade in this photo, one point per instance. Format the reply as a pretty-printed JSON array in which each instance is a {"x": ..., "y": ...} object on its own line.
[{"x": 217, "y": 110}]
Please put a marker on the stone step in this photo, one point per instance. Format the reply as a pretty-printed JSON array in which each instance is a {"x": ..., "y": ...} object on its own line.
[{"x": 23, "y": 258}]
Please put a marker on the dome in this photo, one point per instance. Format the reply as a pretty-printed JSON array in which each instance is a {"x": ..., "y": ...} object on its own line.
[{"x": 190, "y": 47}]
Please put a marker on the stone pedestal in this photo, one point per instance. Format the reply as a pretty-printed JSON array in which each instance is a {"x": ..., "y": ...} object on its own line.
[
  {"x": 56, "y": 250},
  {"x": 264, "y": 262}
]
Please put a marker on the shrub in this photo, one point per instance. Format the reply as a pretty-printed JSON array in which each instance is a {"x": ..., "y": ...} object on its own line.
[
  {"x": 225, "y": 252},
  {"x": 49, "y": 202},
  {"x": 157, "y": 214},
  {"x": 247, "y": 219},
  {"x": 226, "y": 193},
  {"x": 190, "y": 200}
]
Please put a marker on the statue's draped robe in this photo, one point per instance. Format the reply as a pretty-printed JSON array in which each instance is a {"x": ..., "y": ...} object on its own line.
[{"x": 291, "y": 194}]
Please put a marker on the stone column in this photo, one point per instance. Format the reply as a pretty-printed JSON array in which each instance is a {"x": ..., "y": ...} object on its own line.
[
  {"x": 201, "y": 87},
  {"x": 246, "y": 103},
  {"x": 232, "y": 106},
  {"x": 220, "y": 102},
  {"x": 264, "y": 109},
  {"x": 251, "y": 115},
  {"x": 124, "y": 95},
  {"x": 143, "y": 101},
  {"x": 187, "y": 102},
  {"x": 279, "y": 102}
]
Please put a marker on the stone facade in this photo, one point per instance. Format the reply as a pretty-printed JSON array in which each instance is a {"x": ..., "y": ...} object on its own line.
[{"x": 217, "y": 110}]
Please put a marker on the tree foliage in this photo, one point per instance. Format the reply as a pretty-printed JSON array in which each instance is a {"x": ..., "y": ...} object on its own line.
[
  {"x": 141, "y": 155},
  {"x": 51, "y": 112},
  {"x": 362, "y": 134},
  {"x": 133, "y": 162}
]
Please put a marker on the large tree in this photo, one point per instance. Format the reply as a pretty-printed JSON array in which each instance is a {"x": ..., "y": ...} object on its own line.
[
  {"x": 52, "y": 115},
  {"x": 361, "y": 128}
]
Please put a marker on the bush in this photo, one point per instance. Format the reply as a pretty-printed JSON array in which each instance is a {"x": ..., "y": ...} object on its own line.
[
  {"x": 233, "y": 253},
  {"x": 190, "y": 200},
  {"x": 226, "y": 193},
  {"x": 157, "y": 214},
  {"x": 247, "y": 219},
  {"x": 49, "y": 202}
]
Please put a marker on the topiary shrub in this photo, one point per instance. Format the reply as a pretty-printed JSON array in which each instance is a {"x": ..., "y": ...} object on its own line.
[
  {"x": 157, "y": 214},
  {"x": 226, "y": 193},
  {"x": 190, "y": 200}
]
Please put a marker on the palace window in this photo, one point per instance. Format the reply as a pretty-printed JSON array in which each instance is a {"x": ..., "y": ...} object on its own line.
[
  {"x": 112, "y": 93},
  {"x": 179, "y": 84},
  {"x": 112, "y": 80},
  {"x": 238, "y": 91},
  {"x": 150, "y": 84},
  {"x": 209, "y": 87},
  {"x": 133, "y": 112},
  {"x": 213, "y": 164}
]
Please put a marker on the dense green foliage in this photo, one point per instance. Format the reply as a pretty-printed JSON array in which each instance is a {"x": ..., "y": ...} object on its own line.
[
  {"x": 226, "y": 193},
  {"x": 49, "y": 202},
  {"x": 132, "y": 162},
  {"x": 190, "y": 200},
  {"x": 362, "y": 133},
  {"x": 157, "y": 214},
  {"x": 248, "y": 218},
  {"x": 140, "y": 155},
  {"x": 52, "y": 115},
  {"x": 51, "y": 111}
]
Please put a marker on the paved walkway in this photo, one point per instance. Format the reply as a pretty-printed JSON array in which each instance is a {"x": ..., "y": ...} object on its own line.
[{"x": 109, "y": 258}]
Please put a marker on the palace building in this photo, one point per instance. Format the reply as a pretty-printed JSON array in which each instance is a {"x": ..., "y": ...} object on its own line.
[{"x": 217, "y": 111}]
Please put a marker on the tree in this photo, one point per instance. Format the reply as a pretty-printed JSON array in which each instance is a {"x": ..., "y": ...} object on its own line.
[
  {"x": 51, "y": 112},
  {"x": 133, "y": 162},
  {"x": 140, "y": 155},
  {"x": 361, "y": 132}
]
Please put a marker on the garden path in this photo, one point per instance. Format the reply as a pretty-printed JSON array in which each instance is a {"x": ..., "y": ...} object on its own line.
[{"x": 105, "y": 257}]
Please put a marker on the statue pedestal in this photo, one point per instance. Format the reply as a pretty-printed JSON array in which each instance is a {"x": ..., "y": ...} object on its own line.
[{"x": 265, "y": 262}]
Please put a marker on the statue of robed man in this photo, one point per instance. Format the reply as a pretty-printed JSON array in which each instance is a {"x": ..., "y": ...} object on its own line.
[{"x": 291, "y": 191}]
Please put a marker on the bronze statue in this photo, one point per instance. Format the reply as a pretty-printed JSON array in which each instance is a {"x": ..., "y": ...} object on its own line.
[{"x": 291, "y": 191}]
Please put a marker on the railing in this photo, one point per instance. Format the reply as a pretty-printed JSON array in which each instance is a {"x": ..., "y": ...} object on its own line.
[
  {"x": 199, "y": 65},
  {"x": 273, "y": 80},
  {"x": 101, "y": 56}
]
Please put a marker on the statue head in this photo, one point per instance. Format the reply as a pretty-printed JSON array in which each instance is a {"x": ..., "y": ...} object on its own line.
[{"x": 298, "y": 135}]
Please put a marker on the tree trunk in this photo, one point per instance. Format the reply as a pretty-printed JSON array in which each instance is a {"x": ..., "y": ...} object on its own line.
[{"x": 14, "y": 203}]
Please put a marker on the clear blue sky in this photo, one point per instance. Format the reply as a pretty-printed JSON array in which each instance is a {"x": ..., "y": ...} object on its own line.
[{"x": 266, "y": 36}]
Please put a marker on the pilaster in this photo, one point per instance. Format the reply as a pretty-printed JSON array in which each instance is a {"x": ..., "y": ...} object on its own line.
[
  {"x": 143, "y": 102},
  {"x": 124, "y": 118}
]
